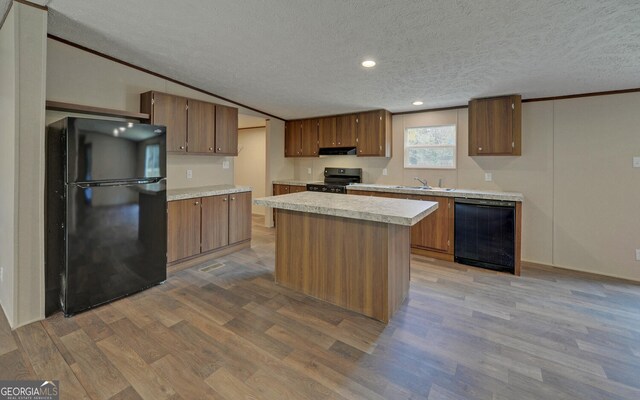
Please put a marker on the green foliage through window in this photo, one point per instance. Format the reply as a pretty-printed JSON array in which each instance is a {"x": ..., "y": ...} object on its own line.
[{"x": 430, "y": 147}]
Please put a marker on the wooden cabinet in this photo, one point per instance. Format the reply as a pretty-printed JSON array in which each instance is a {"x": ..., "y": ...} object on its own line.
[
  {"x": 183, "y": 229},
  {"x": 193, "y": 126},
  {"x": 226, "y": 142},
  {"x": 435, "y": 231},
  {"x": 239, "y": 217},
  {"x": 170, "y": 111},
  {"x": 369, "y": 132},
  {"x": 280, "y": 189},
  {"x": 434, "y": 234},
  {"x": 201, "y": 127},
  {"x": 207, "y": 225},
  {"x": 215, "y": 217},
  {"x": 301, "y": 138},
  {"x": 495, "y": 126},
  {"x": 309, "y": 138},
  {"x": 297, "y": 189},
  {"x": 374, "y": 134}
]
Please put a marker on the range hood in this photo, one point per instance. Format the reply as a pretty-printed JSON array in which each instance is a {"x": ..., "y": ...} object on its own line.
[{"x": 336, "y": 151}]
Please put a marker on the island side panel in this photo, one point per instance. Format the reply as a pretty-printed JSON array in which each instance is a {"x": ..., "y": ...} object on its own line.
[
  {"x": 343, "y": 261},
  {"x": 399, "y": 266}
]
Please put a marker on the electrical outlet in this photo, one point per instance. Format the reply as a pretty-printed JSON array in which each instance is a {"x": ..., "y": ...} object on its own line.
[
  {"x": 225, "y": 164},
  {"x": 488, "y": 176},
  {"x": 309, "y": 171},
  {"x": 637, "y": 254},
  {"x": 1, "y": 274},
  {"x": 385, "y": 172},
  {"x": 636, "y": 162},
  {"x": 189, "y": 174}
]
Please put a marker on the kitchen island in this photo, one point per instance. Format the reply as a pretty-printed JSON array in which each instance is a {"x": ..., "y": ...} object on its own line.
[{"x": 351, "y": 251}]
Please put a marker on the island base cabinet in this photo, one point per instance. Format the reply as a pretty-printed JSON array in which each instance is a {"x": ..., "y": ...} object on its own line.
[
  {"x": 183, "y": 229},
  {"x": 359, "y": 265}
]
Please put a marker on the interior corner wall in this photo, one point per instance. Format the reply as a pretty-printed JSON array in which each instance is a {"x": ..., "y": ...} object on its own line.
[
  {"x": 8, "y": 123},
  {"x": 23, "y": 35},
  {"x": 251, "y": 163},
  {"x": 277, "y": 165}
]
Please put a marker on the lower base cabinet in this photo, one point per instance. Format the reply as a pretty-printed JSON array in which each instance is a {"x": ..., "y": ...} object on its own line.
[{"x": 201, "y": 225}]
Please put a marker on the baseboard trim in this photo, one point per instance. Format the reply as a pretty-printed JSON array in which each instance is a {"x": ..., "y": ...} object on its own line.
[
  {"x": 578, "y": 271},
  {"x": 433, "y": 254}
]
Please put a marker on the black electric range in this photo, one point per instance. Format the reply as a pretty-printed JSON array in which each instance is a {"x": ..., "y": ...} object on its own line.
[{"x": 336, "y": 180}]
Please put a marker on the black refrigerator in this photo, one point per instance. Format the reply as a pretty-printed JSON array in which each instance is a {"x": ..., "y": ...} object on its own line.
[{"x": 106, "y": 212}]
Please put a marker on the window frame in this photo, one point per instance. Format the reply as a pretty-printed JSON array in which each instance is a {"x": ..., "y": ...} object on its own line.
[{"x": 422, "y": 146}]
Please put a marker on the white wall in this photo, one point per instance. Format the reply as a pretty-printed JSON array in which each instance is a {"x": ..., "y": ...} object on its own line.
[
  {"x": 8, "y": 122},
  {"x": 23, "y": 37},
  {"x": 581, "y": 192},
  {"x": 250, "y": 165},
  {"x": 277, "y": 166}
]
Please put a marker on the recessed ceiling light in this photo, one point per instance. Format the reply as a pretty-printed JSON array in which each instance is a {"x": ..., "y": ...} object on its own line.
[
  {"x": 122, "y": 128},
  {"x": 368, "y": 63},
  {"x": 130, "y": 125},
  {"x": 417, "y": 103}
]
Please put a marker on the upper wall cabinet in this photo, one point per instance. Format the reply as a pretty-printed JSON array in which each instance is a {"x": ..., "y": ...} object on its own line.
[
  {"x": 301, "y": 138},
  {"x": 369, "y": 132},
  {"x": 495, "y": 126},
  {"x": 374, "y": 134},
  {"x": 193, "y": 126}
]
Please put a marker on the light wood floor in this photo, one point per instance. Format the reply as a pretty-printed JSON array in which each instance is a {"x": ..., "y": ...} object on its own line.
[{"x": 231, "y": 333}]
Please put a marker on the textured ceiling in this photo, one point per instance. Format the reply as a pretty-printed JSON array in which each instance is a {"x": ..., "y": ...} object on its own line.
[{"x": 300, "y": 58}]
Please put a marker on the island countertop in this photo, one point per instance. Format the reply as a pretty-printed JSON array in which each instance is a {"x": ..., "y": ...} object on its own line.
[
  {"x": 378, "y": 209},
  {"x": 464, "y": 193},
  {"x": 204, "y": 191}
]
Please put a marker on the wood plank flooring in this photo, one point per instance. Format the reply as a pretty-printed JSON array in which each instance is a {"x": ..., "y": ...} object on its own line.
[{"x": 230, "y": 333}]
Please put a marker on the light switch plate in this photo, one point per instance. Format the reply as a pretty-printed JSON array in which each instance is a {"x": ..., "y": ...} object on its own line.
[
  {"x": 225, "y": 164},
  {"x": 309, "y": 171},
  {"x": 1, "y": 274},
  {"x": 488, "y": 176},
  {"x": 636, "y": 162},
  {"x": 637, "y": 254},
  {"x": 189, "y": 174},
  {"x": 385, "y": 172}
]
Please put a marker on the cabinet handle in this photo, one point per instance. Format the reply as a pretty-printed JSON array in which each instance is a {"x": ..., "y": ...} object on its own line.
[
  {"x": 219, "y": 148},
  {"x": 360, "y": 151},
  {"x": 479, "y": 148},
  {"x": 210, "y": 148},
  {"x": 339, "y": 143},
  {"x": 233, "y": 198},
  {"x": 224, "y": 199},
  {"x": 196, "y": 203},
  {"x": 181, "y": 147}
]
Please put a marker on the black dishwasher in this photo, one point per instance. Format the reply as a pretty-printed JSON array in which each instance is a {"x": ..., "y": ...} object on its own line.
[{"x": 485, "y": 233}]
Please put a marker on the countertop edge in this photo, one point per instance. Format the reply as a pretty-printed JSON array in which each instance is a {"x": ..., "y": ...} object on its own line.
[
  {"x": 195, "y": 192},
  {"x": 504, "y": 196}
]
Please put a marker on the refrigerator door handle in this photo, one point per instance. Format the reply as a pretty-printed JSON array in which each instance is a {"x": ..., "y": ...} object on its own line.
[{"x": 122, "y": 182}]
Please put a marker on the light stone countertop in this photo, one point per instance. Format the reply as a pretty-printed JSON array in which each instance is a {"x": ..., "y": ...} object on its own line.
[
  {"x": 464, "y": 193},
  {"x": 292, "y": 182},
  {"x": 204, "y": 191},
  {"x": 379, "y": 209}
]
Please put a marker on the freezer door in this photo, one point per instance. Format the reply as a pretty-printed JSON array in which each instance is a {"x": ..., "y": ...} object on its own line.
[
  {"x": 116, "y": 241},
  {"x": 99, "y": 150}
]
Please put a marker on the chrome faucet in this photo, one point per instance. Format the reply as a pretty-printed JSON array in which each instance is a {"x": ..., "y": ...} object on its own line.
[{"x": 423, "y": 182}]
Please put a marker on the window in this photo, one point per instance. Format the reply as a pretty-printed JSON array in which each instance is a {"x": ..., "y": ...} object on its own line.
[
  {"x": 152, "y": 161},
  {"x": 430, "y": 147}
]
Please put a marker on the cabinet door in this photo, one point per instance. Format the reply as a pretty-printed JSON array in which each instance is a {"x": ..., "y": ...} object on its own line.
[
  {"x": 215, "y": 222},
  {"x": 280, "y": 189},
  {"x": 171, "y": 111},
  {"x": 226, "y": 130},
  {"x": 494, "y": 126},
  {"x": 309, "y": 137},
  {"x": 347, "y": 130},
  {"x": 297, "y": 189},
  {"x": 327, "y": 132},
  {"x": 183, "y": 229},
  {"x": 239, "y": 217},
  {"x": 433, "y": 232},
  {"x": 292, "y": 139},
  {"x": 371, "y": 134},
  {"x": 202, "y": 127}
]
